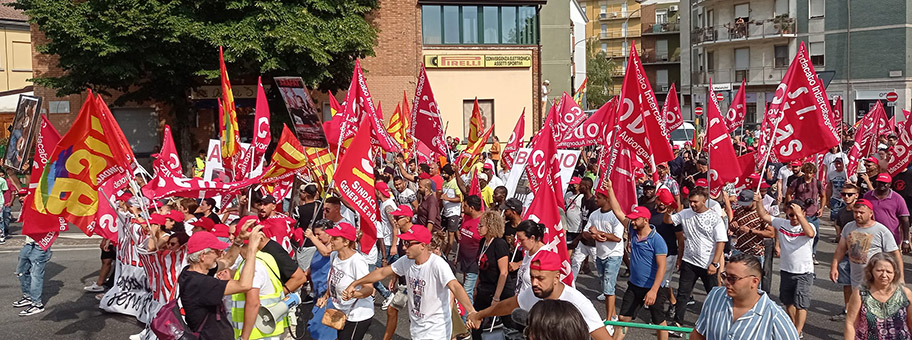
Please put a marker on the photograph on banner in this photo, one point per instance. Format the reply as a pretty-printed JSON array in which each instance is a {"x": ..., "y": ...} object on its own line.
[
  {"x": 214, "y": 169},
  {"x": 305, "y": 118},
  {"x": 20, "y": 140},
  {"x": 517, "y": 184}
]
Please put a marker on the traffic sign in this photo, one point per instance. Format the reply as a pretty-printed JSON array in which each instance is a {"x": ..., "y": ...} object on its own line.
[
  {"x": 892, "y": 96},
  {"x": 719, "y": 97},
  {"x": 698, "y": 111}
]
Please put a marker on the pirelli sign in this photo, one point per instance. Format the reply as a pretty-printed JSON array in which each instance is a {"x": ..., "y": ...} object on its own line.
[{"x": 478, "y": 61}]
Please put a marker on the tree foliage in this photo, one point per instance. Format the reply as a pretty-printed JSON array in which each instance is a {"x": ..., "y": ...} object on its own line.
[{"x": 598, "y": 72}]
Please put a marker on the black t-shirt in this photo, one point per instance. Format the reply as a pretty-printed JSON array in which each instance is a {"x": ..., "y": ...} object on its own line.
[
  {"x": 306, "y": 214},
  {"x": 212, "y": 216},
  {"x": 509, "y": 228},
  {"x": 902, "y": 184},
  {"x": 667, "y": 231},
  {"x": 843, "y": 217},
  {"x": 488, "y": 271},
  {"x": 287, "y": 265},
  {"x": 201, "y": 296}
]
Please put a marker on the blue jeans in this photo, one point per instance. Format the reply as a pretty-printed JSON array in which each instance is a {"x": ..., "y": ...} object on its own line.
[
  {"x": 469, "y": 284},
  {"x": 815, "y": 221},
  {"x": 30, "y": 271},
  {"x": 835, "y": 206},
  {"x": 5, "y": 219},
  {"x": 608, "y": 269}
]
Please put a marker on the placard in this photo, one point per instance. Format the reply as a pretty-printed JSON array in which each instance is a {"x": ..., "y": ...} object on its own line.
[
  {"x": 568, "y": 160},
  {"x": 305, "y": 118},
  {"x": 20, "y": 141}
]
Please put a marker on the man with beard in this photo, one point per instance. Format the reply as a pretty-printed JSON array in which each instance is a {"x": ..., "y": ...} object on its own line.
[
  {"x": 428, "y": 213},
  {"x": 546, "y": 285},
  {"x": 277, "y": 226}
]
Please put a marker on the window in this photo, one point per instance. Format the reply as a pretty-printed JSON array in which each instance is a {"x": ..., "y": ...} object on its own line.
[
  {"x": 485, "y": 106},
  {"x": 816, "y": 51},
  {"x": 781, "y": 53},
  {"x": 782, "y": 7},
  {"x": 624, "y": 8},
  {"x": 742, "y": 64},
  {"x": 661, "y": 16},
  {"x": 604, "y": 8},
  {"x": 451, "y": 25},
  {"x": 604, "y": 47},
  {"x": 815, "y": 8},
  {"x": 470, "y": 25},
  {"x": 624, "y": 29},
  {"x": 662, "y": 50},
  {"x": 624, "y": 50},
  {"x": 604, "y": 28},
  {"x": 742, "y": 11},
  {"x": 710, "y": 61},
  {"x": 662, "y": 80},
  {"x": 431, "y": 26}
]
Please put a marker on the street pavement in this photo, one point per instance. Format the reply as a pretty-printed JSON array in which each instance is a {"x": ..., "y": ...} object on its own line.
[{"x": 73, "y": 314}]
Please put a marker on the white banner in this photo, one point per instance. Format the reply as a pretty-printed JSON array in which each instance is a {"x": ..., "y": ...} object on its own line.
[
  {"x": 131, "y": 294},
  {"x": 568, "y": 160},
  {"x": 214, "y": 168}
]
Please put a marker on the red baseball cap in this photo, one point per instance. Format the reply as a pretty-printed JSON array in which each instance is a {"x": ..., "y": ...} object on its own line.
[
  {"x": 885, "y": 178},
  {"x": 157, "y": 219},
  {"x": 871, "y": 159},
  {"x": 175, "y": 215},
  {"x": 665, "y": 197},
  {"x": 638, "y": 212},
  {"x": 404, "y": 210},
  {"x": 602, "y": 190},
  {"x": 203, "y": 240},
  {"x": 204, "y": 222},
  {"x": 155, "y": 205},
  {"x": 764, "y": 185},
  {"x": 866, "y": 203},
  {"x": 488, "y": 166},
  {"x": 220, "y": 230},
  {"x": 417, "y": 233},
  {"x": 382, "y": 187},
  {"x": 23, "y": 192},
  {"x": 795, "y": 163},
  {"x": 575, "y": 180},
  {"x": 547, "y": 261},
  {"x": 702, "y": 182},
  {"x": 344, "y": 230}
]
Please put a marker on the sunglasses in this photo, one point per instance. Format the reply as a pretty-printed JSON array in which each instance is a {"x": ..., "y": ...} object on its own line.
[
  {"x": 732, "y": 279},
  {"x": 849, "y": 194},
  {"x": 411, "y": 243}
]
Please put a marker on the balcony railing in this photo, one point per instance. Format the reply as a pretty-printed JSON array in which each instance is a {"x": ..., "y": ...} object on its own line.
[
  {"x": 619, "y": 34},
  {"x": 754, "y": 75},
  {"x": 669, "y": 27},
  {"x": 616, "y": 13},
  {"x": 655, "y": 58},
  {"x": 772, "y": 28}
]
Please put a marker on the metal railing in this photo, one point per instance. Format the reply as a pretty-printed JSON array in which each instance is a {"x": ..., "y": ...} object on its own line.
[
  {"x": 755, "y": 29},
  {"x": 619, "y": 34},
  {"x": 616, "y": 13},
  {"x": 669, "y": 27},
  {"x": 649, "y": 57},
  {"x": 684, "y": 330},
  {"x": 754, "y": 75}
]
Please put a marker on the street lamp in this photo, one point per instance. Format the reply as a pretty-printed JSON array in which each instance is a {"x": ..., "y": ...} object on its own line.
[{"x": 628, "y": 28}]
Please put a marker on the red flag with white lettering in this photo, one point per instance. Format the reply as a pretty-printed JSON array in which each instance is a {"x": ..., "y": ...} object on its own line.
[
  {"x": 595, "y": 129},
  {"x": 543, "y": 169},
  {"x": 568, "y": 117},
  {"x": 354, "y": 178},
  {"x": 359, "y": 106},
  {"x": 43, "y": 228},
  {"x": 866, "y": 136},
  {"x": 837, "y": 116},
  {"x": 804, "y": 125},
  {"x": 544, "y": 210},
  {"x": 623, "y": 180},
  {"x": 671, "y": 111},
  {"x": 515, "y": 141},
  {"x": 724, "y": 166},
  {"x": 902, "y": 151},
  {"x": 427, "y": 126},
  {"x": 638, "y": 115},
  {"x": 261, "y": 132},
  {"x": 165, "y": 162},
  {"x": 737, "y": 109}
]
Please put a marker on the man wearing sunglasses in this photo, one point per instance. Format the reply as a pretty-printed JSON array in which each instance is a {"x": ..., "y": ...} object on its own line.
[
  {"x": 843, "y": 217},
  {"x": 755, "y": 315},
  {"x": 795, "y": 238}
]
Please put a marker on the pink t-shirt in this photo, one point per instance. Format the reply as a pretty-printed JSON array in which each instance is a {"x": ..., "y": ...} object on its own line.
[
  {"x": 469, "y": 241},
  {"x": 888, "y": 210}
]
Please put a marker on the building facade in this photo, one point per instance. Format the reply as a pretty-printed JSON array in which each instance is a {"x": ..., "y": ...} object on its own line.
[
  {"x": 563, "y": 47},
  {"x": 614, "y": 25},
  {"x": 660, "y": 45},
  {"x": 734, "y": 42}
]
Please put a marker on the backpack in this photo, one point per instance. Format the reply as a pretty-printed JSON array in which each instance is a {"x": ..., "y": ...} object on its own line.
[{"x": 169, "y": 323}]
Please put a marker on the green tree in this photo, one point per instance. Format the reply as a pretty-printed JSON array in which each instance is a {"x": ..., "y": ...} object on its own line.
[
  {"x": 598, "y": 72},
  {"x": 159, "y": 49}
]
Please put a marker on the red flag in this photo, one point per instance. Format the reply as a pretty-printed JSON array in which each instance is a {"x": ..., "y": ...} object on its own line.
[
  {"x": 288, "y": 158},
  {"x": 595, "y": 129},
  {"x": 543, "y": 168},
  {"x": 837, "y": 116},
  {"x": 671, "y": 111},
  {"x": 359, "y": 106},
  {"x": 748, "y": 163},
  {"x": 426, "y": 124},
  {"x": 623, "y": 180},
  {"x": 43, "y": 228},
  {"x": 262, "y": 135},
  {"x": 568, "y": 116},
  {"x": 354, "y": 178},
  {"x": 544, "y": 210},
  {"x": 476, "y": 124},
  {"x": 515, "y": 142},
  {"x": 803, "y": 123},
  {"x": 880, "y": 116},
  {"x": 724, "y": 166},
  {"x": 638, "y": 115},
  {"x": 472, "y": 153},
  {"x": 161, "y": 187},
  {"x": 866, "y": 135},
  {"x": 166, "y": 162},
  {"x": 228, "y": 117},
  {"x": 334, "y": 106},
  {"x": 475, "y": 189},
  {"x": 737, "y": 110},
  {"x": 902, "y": 151}
]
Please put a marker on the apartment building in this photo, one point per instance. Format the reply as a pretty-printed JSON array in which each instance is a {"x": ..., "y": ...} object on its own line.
[{"x": 660, "y": 45}]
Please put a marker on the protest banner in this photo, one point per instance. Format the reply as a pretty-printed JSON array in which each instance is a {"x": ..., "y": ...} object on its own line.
[
  {"x": 306, "y": 120},
  {"x": 568, "y": 159},
  {"x": 23, "y": 128}
]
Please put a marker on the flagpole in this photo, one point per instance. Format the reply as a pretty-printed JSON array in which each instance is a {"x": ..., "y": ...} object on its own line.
[{"x": 769, "y": 150}]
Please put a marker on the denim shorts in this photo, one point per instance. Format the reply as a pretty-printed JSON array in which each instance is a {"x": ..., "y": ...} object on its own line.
[
  {"x": 845, "y": 277},
  {"x": 608, "y": 271}
]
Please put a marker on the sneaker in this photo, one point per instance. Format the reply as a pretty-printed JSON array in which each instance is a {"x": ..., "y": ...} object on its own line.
[
  {"x": 23, "y": 302},
  {"x": 136, "y": 336},
  {"x": 601, "y": 297},
  {"x": 675, "y": 334},
  {"x": 815, "y": 260},
  {"x": 2, "y": 240},
  {"x": 691, "y": 301},
  {"x": 94, "y": 288},
  {"x": 838, "y": 317},
  {"x": 34, "y": 309},
  {"x": 387, "y": 302},
  {"x": 99, "y": 296}
]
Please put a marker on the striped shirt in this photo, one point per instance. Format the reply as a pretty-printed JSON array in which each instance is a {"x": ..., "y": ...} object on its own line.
[{"x": 765, "y": 321}]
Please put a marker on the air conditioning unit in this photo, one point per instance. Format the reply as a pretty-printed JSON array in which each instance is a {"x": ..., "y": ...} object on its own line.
[
  {"x": 603, "y": 15},
  {"x": 664, "y": 88},
  {"x": 614, "y": 14},
  {"x": 673, "y": 8}
]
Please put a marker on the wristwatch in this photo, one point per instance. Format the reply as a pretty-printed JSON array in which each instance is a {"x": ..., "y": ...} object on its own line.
[{"x": 716, "y": 264}]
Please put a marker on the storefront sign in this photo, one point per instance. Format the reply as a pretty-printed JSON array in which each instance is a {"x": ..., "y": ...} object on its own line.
[{"x": 477, "y": 60}]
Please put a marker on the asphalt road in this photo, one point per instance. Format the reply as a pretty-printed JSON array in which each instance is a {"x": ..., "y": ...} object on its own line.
[{"x": 73, "y": 314}]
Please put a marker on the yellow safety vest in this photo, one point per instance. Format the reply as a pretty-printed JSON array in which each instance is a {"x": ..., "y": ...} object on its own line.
[
  {"x": 200, "y": 167},
  {"x": 237, "y": 300}
]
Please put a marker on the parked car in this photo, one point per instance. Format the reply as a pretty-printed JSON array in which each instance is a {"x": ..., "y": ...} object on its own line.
[{"x": 683, "y": 134}]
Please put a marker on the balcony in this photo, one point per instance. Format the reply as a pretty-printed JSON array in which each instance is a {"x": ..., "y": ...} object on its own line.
[
  {"x": 751, "y": 30},
  {"x": 616, "y": 13},
  {"x": 754, "y": 75},
  {"x": 666, "y": 28},
  {"x": 619, "y": 35},
  {"x": 665, "y": 58}
]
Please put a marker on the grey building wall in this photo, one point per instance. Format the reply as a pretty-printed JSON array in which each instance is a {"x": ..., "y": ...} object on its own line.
[{"x": 555, "y": 41}]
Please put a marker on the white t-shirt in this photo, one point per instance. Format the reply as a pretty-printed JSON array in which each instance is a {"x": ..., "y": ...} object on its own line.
[
  {"x": 342, "y": 274},
  {"x": 527, "y": 299},
  {"x": 495, "y": 182},
  {"x": 717, "y": 207},
  {"x": 451, "y": 190},
  {"x": 830, "y": 157},
  {"x": 429, "y": 297},
  {"x": 701, "y": 233},
  {"x": 795, "y": 247},
  {"x": 784, "y": 173},
  {"x": 523, "y": 275},
  {"x": 574, "y": 212},
  {"x": 384, "y": 226},
  {"x": 608, "y": 223}
]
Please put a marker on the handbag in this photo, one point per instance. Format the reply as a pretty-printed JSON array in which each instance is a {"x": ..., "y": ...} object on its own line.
[
  {"x": 334, "y": 318},
  {"x": 169, "y": 323}
]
